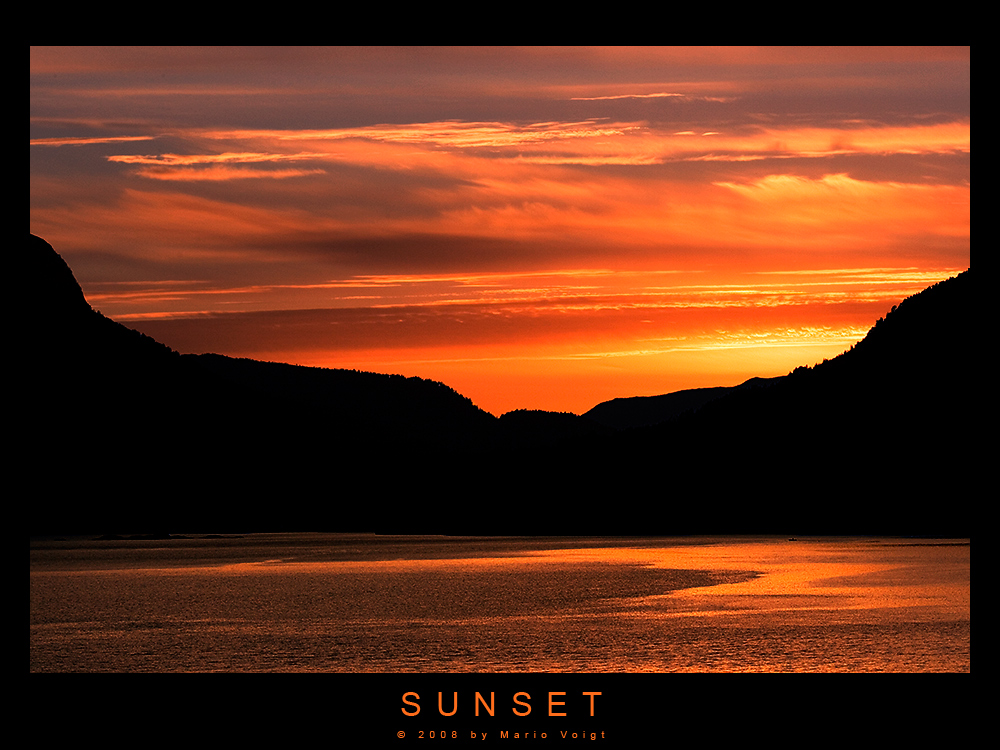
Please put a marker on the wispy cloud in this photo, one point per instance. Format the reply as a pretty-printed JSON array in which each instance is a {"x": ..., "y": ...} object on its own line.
[
  {"x": 85, "y": 141},
  {"x": 658, "y": 95},
  {"x": 599, "y": 141},
  {"x": 223, "y": 174},
  {"x": 453, "y": 133},
  {"x": 171, "y": 160},
  {"x": 214, "y": 167}
]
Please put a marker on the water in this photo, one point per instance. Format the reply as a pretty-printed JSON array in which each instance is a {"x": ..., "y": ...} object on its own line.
[{"x": 362, "y": 603}]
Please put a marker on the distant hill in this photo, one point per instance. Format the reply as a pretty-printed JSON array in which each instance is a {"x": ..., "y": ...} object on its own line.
[
  {"x": 643, "y": 411},
  {"x": 115, "y": 433}
]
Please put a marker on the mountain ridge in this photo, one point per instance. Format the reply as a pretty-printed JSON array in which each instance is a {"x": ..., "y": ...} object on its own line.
[{"x": 174, "y": 441}]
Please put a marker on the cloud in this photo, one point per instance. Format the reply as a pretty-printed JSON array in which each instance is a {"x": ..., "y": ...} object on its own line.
[
  {"x": 609, "y": 142},
  {"x": 659, "y": 95},
  {"x": 454, "y": 196},
  {"x": 452, "y": 133},
  {"x": 223, "y": 174},
  {"x": 83, "y": 141},
  {"x": 191, "y": 159},
  {"x": 192, "y": 167}
]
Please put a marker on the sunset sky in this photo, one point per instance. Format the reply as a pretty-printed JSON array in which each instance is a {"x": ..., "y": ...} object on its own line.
[{"x": 540, "y": 228}]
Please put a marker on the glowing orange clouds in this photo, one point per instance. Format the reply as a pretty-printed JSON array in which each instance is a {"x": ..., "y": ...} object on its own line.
[
  {"x": 597, "y": 141},
  {"x": 519, "y": 181},
  {"x": 87, "y": 141},
  {"x": 536, "y": 227},
  {"x": 787, "y": 209}
]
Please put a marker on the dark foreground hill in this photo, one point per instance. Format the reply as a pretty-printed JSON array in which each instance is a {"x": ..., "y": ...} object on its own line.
[
  {"x": 881, "y": 437},
  {"x": 116, "y": 433}
]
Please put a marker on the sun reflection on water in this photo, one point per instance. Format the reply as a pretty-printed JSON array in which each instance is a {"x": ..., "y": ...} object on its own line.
[{"x": 623, "y": 606}]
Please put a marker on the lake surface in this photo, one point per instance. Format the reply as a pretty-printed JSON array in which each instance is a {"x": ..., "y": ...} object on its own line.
[{"x": 366, "y": 603}]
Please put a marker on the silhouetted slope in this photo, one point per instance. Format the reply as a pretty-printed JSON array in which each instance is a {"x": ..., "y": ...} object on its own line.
[
  {"x": 642, "y": 411},
  {"x": 878, "y": 439},
  {"x": 923, "y": 343},
  {"x": 126, "y": 435},
  {"x": 390, "y": 408},
  {"x": 55, "y": 296},
  {"x": 61, "y": 326}
]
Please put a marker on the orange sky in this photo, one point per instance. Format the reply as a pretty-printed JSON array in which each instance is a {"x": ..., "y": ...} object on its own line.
[{"x": 537, "y": 228}]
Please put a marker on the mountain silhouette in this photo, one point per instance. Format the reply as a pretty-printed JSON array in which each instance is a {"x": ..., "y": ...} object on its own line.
[
  {"x": 878, "y": 438},
  {"x": 129, "y": 435},
  {"x": 117, "y": 433}
]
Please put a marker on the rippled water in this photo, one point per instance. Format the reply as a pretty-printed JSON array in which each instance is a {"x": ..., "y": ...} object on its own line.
[{"x": 356, "y": 603}]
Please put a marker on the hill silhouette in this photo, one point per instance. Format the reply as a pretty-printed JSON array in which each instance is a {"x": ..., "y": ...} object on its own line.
[
  {"x": 129, "y": 435},
  {"x": 118, "y": 434},
  {"x": 877, "y": 438}
]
